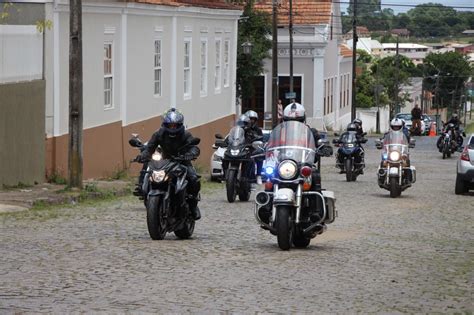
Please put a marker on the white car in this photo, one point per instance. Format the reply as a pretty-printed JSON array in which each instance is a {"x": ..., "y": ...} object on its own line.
[
  {"x": 465, "y": 168},
  {"x": 408, "y": 123}
]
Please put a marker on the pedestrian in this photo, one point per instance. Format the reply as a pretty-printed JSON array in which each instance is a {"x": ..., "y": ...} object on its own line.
[{"x": 280, "y": 111}]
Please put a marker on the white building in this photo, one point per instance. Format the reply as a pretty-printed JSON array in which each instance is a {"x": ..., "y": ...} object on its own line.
[{"x": 139, "y": 59}]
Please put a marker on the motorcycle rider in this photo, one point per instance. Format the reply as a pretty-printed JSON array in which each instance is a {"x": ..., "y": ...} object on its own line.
[
  {"x": 396, "y": 125},
  {"x": 172, "y": 137},
  {"x": 296, "y": 111},
  {"x": 358, "y": 124},
  {"x": 352, "y": 127},
  {"x": 453, "y": 123},
  {"x": 254, "y": 132},
  {"x": 416, "y": 118}
]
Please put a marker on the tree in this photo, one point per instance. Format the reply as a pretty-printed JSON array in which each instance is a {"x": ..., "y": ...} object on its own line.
[
  {"x": 365, "y": 7},
  {"x": 255, "y": 27},
  {"x": 447, "y": 75}
]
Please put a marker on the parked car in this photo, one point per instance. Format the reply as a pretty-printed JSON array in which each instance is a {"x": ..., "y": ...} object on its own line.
[
  {"x": 216, "y": 159},
  {"x": 465, "y": 168},
  {"x": 408, "y": 123}
]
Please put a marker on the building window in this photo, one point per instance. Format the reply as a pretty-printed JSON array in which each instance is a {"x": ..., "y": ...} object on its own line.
[
  {"x": 108, "y": 76},
  {"x": 325, "y": 96},
  {"x": 187, "y": 68},
  {"x": 203, "y": 67},
  {"x": 226, "y": 63},
  {"x": 217, "y": 73},
  {"x": 157, "y": 67}
]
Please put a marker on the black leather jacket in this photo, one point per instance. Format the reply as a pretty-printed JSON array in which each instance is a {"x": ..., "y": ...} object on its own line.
[
  {"x": 171, "y": 146},
  {"x": 253, "y": 133}
]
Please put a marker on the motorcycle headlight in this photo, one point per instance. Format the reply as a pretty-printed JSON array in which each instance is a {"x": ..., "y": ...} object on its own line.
[
  {"x": 287, "y": 169},
  {"x": 158, "y": 176},
  {"x": 394, "y": 156},
  {"x": 156, "y": 156},
  {"x": 234, "y": 152}
]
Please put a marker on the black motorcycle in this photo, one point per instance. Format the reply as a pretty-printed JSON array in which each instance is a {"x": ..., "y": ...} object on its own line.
[
  {"x": 166, "y": 198},
  {"x": 237, "y": 164},
  {"x": 350, "y": 155}
]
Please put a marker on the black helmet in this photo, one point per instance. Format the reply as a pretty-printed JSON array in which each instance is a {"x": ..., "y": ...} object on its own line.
[
  {"x": 243, "y": 121},
  {"x": 358, "y": 122},
  {"x": 173, "y": 122},
  {"x": 351, "y": 127},
  {"x": 450, "y": 126}
]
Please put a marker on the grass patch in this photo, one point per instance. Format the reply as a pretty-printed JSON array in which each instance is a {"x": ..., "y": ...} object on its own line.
[
  {"x": 20, "y": 185},
  {"x": 208, "y": 186},
  {"x": 469, "y": 128}
]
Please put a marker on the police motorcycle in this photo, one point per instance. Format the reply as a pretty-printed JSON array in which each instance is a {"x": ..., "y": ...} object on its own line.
[
  {"x": 164, "y": 191},
  {"x": 237, "y": 164},
  {"x": 395, "y": 173},
  {"x": 350, "y": 154},
  {"x": 293, "y": 206}
]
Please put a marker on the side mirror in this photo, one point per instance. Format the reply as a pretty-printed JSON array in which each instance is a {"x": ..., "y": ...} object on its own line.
[
  {"x": 219, "y": 136},
  {"x": 378, "y": 144},
  {"x": 323, "y": 142},
  {"x": 336, "y": 134},
  {"x": 135, "y": 142},
  {"x": 219, "y": 144},
  {"x": 364, "y": 134},
  {"x": 257, "y": 145},
  {"x": 412, "y": 143}
]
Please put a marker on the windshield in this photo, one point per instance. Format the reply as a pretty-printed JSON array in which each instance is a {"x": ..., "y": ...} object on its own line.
[
  {"x": 236, "y": 136},
  {"x": 291, "y": 140},
  {"x": 349, "y": 137},
  {"x": 396, "y": 140}
]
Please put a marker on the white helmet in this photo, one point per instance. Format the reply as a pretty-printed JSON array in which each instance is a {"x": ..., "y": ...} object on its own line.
[
  {"x": 294, "y": 111},
  {"x": 396, "y": 124},
  {"x": 253, "y": 116}
]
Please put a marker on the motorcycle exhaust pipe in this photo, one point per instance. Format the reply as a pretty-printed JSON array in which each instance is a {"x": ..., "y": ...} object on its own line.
[{"x": 262, "y": 199}]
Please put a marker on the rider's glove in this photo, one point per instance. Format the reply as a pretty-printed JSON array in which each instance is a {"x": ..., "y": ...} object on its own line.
[{"x": 188, "y": 156}]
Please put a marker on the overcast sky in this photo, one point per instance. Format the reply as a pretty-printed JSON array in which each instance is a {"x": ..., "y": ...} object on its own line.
[{"x": 397, "y": 9}]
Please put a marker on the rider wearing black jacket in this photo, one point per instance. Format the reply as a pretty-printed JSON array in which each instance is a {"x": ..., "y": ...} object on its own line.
[
  {"x": 253, "y": 133},
  {"x": 174, "y": 141},
  {"x": 352, "y": 127}
]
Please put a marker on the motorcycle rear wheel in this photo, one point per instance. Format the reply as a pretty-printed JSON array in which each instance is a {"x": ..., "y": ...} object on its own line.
[
  {"x": 349, "y": 170},
  {"x": 154, "y": 217},
  {"x": 395, "y": 189},
  {"x": 283, "y": 227},
  {"x": 230, "y": 186}
]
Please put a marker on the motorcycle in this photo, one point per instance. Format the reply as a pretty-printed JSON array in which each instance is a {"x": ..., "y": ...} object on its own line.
[
  {"x": 293, "y": 206},
  {"x": 237, "y": 164},
  {"x": 165, "y": 195},
  {"x": 448, "y": 144},
  {"x": 350, "y": 155},
  {"x": 395, "y": 172}
]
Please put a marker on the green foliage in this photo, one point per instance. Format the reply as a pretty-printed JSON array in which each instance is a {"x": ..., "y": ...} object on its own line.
[
  {"x": 423, "y": 21},
  {"x": 5, "y": 11},
  {"x": 255, "y": 27},
  {"x": 446, "y": 75},
  {"x": 41, "y": 26},
  {"x": 56, "y": 178},
  {"x": 363, "y": 56}
]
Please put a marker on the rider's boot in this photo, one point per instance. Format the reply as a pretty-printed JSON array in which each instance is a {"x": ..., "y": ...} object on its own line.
[{"x": 193, "y": 207}]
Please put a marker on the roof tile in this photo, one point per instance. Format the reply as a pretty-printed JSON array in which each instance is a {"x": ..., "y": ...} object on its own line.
[{"x": 305, "y": 12}]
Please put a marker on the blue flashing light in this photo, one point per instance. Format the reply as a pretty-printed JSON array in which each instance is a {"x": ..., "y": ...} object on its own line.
[
  {"x": 269, "y": 170},
  {"x": 384, "y": 156}
]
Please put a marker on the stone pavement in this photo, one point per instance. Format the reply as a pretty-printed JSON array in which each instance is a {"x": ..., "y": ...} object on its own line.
[{"x": 413, "y": 254}]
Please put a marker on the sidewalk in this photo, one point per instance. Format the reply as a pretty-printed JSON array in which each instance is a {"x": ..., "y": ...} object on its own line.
[{"x": 21, "y": 199}]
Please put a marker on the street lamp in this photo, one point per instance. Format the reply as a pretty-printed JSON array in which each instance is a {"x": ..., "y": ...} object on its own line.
[{"x": 247, "y": 48}]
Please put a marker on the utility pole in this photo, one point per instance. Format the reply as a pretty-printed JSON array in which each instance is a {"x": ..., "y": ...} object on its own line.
[
  {"x": 274, "y": 65},
  {"x": 397, "y": 73},
  {"x": 291, "y": 45},
  {"x": 75, "y": 94},
  {"x": 354, "y": 58}
]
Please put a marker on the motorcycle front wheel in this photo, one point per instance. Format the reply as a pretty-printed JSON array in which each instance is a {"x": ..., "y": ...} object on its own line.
[
  {"x": 155, "y": 219},
  {"x": 348, "y": 165},
  {"x": 395, "y": 189},
  {"x": 230, "y": 185},
  {"x": 283, "y": 227}
]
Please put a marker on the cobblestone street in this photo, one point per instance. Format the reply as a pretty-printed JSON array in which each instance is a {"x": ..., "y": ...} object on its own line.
[{"x": 413, "y": 254}]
